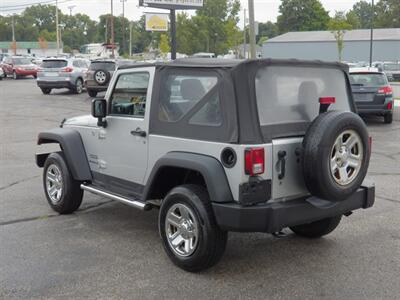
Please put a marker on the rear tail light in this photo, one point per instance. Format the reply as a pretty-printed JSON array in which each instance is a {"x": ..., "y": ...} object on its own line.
[
  {"x": 390, "y": 105},
  {"x": 67, "y": 70},
  {"x": 254, "y": 161},
  {"x": 387, "y": 90}
]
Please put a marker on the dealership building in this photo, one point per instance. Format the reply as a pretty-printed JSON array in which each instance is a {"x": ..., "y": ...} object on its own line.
[
  {"x": 30, "y": 48},
  {"x": 322, "y": 45}
]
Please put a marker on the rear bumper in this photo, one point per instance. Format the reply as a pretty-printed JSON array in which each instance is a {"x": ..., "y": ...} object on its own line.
[
  {"x": 272, "y": 217},
  {"x": 54, "y": 84},
  {"x": 94, "y": 87}
]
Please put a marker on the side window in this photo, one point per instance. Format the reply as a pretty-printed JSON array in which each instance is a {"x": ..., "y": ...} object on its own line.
[
  {"x": 129, "y": 95},
  {"x": 183, "y": 92}
]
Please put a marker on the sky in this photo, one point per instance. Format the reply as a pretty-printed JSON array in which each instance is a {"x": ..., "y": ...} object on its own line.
[{"x": 265, "y": 10}]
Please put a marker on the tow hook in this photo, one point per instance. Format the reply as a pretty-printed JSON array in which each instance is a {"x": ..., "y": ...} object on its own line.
[{"x": 279, "y": 234}]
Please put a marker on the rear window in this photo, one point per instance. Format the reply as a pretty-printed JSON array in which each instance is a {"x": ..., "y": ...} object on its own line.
[
  {"x": 53, "y": 64},
  {"x": 391, "y": 67},
  {"x": 368, "y": 79},
  {"x": 21, "y": 61},
  {"x": 106, "y": 66},
  {"x": 288, "y": 94}
]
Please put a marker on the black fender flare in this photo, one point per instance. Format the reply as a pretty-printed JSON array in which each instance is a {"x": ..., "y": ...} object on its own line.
[
  {"x": 209, "y": 167},
  {"x": 72, "y": 147}
]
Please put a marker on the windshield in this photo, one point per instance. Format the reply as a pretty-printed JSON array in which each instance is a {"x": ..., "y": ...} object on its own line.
[
  {"x": 392, "y": 67},
  {"x": 54, "y": 64},
  {"x": 368, "y": 79},
  {"x": 21, "y": 61},
  {"x": 106, "y": 66},
  {"x": 289, "y": 94}
]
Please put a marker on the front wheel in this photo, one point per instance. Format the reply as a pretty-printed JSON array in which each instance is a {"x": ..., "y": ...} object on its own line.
[
  {"x": 46, "y": 91},
  {"x": 190, "y": 234},
  {"x": 63, "y": 193},
  {"x": 317, "y": 229}
]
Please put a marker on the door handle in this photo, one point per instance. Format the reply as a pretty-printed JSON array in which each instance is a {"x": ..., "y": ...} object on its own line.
[
  {"x": 139, "y": 132},
  {"x": 282, "y": 160}
]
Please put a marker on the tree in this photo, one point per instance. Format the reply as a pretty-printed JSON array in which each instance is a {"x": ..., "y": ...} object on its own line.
[
  {"x": 302, "y": 15},
  {"x": 267, "y": 30},
  {"x": 164, "y": 44},
  {"x": 338, "y": 26},
  {"x": 362, "y": 11},
  {"x": 387, "y": 14}
]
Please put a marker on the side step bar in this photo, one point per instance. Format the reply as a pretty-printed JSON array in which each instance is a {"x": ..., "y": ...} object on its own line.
[{"x": 130, "y": 202}]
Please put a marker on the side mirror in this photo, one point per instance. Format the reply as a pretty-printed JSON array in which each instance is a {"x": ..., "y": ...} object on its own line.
[{"x": 99, "y": 111}]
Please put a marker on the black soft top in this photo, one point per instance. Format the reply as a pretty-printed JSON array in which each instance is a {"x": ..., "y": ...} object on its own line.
[{"x": 234, "y": 63}]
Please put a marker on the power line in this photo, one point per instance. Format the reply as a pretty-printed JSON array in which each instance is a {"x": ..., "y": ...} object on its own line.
[{"x": 20, "y": 7}]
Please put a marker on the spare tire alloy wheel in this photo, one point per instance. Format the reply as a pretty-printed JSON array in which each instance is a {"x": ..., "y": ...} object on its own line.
[
  {"x": 181, "y": 229},
  {"x": 101, "y": 77},
  {"x": 335, "y": 155},
  {"x": 347, "y": 156}
]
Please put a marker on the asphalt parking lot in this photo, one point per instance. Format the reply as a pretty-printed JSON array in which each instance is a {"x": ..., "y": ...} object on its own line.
[{"x": 110, "y": 251}]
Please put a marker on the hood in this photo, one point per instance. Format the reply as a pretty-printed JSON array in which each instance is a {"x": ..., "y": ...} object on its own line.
[{"x": 86, "y": 120}]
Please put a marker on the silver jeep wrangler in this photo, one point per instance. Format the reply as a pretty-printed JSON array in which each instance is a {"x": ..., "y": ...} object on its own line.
[{"x": 218, "y": 146}]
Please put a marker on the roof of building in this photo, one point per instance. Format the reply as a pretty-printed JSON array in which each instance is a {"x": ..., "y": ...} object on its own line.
[
  {"x": 382, "y": 34},
  {"x": 27, "y": 45}
]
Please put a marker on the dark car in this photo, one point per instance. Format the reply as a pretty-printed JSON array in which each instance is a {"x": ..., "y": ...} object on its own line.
[
  {"x": 99, "y": 74},
  {"x": 372, "y": 93},
  {"x": 18, "y": 66},
  {"x": 391, "y": 69}
]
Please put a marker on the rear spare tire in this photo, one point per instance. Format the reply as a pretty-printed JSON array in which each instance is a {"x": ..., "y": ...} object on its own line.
[
  {"x": 335, "y": 155},
  {"x": 102, "y": 77}
]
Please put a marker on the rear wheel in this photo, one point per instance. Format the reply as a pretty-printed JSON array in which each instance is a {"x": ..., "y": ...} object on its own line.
[
  {"x": 190, "y": 234},
  {"x": 317, "y": 229},
  {"x": 46, "y": 91},
  {"x": 63, "y": 193},
  {"x": 78, "y": 89},
  {"x": 92, "y": 93},
  {"x": 388, "y": 118}
]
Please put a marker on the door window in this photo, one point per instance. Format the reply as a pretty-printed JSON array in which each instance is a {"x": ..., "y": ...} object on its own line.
[{"x": 129, "y": 95}]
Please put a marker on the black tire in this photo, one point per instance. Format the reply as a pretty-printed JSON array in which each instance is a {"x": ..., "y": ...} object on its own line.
[
  {"x": 34, "y": 76},
  {"x": 102, "y": 77},
  {"x": 317, "y": 229},
  {"x": 92, "y": 93},
  {"x": 46, "y": 91},
  {"x": 78, "y": 88},
  {"x": 211, "y": 240},
  {"x": 71, "y": 194},
  {"x": 317, "y": 154},
  {"x": 388, "y": 118}
]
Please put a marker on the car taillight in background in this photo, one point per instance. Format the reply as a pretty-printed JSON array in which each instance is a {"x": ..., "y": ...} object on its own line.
[
  {"x": 387, "y": 90},
  {"x": 390, "y": 105},
  {"x": 254, "y": 161},
  {"x": 67, "y": 70}
]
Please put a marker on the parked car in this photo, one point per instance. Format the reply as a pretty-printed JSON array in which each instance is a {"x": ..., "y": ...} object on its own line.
[
  {"x": 3, "y": 55},
  {"x": 58, "y": 73},
  {"x": 217, "y": 146},
  {"x": 100, "y": 73},
  {"x": 18, "y": 66},
  {"x": 372, "y": 92},
  {"x": 391, "y": 69}
]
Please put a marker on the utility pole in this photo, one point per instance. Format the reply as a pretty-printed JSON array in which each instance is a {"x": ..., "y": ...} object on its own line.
[
  {"x": 244, "y": 35},
  {"x": 70, "y": 9},
  {"x": 173, "y": 34},
  {"x": 112, "y": 31},
  {"x": 372, "y": 34},
  {"x": 252, "y": 30},
  {"x": 123, "y": 25},
  {"x": 57, "y": 29},
  {"x": 130, "y": 38},
  {"x": 13, "y": 35}
]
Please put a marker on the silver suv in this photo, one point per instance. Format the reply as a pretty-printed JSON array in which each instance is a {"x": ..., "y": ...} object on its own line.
[
  {"x": 58, "y": 73},
  {"x": 217, "y": 146}
]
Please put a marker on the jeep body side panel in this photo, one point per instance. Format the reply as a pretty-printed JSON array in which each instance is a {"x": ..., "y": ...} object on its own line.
[
  {"x": 209, "y": 167},
  {"x": 159, "y": 146},
  {"x": 71, "y": 144}
]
